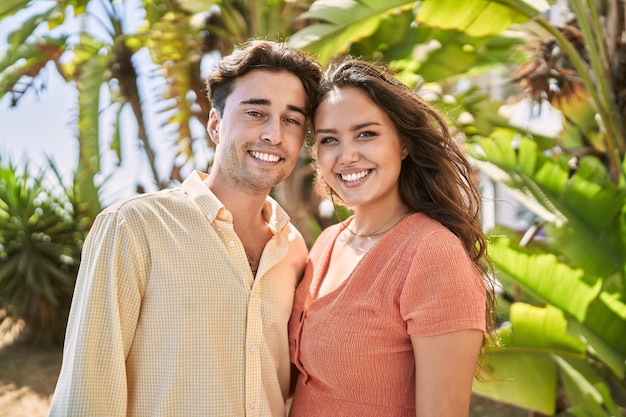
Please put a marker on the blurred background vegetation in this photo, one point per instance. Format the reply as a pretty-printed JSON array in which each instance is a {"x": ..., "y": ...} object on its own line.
[{"x": 562, "y": 301}]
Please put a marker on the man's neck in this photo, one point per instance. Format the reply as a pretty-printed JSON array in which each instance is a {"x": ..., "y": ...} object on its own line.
[{"x": 245, "y": 206}]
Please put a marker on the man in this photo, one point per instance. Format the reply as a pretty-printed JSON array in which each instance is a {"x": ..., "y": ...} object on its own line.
[{"x": 183, "y": 296}]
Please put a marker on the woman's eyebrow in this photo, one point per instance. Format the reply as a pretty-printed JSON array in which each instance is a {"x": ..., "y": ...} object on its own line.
[{"x": 354, "y": 128}]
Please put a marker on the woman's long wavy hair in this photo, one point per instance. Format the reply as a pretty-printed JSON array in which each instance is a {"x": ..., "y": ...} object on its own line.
[{"x": 436, "y": 178}]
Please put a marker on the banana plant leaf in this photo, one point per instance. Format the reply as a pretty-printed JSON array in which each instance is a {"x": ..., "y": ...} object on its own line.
[
  {"x": 379, "y": 29},
  {"x": 478, "y": 17},
  {"x": 600, "y": 319},
  {"x": 523, "y": 370},
  {"x": 537, "y": 349},
  {"x": 522, "y": 378},
  {"x": 458, "y": 53},
  {"x": 198, "y": 6},
  {"x": 585, "y": 388},
  {"x": 541, "y": 274},
  {"x": 343, "y": 22},
  {"x": 583, "y": 209}
]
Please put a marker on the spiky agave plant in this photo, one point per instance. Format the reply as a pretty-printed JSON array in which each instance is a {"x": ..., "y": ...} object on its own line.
[{"x": 41, "y": 235}]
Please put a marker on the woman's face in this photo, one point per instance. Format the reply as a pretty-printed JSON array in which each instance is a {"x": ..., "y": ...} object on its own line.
[{"x": 358, "y": 149}]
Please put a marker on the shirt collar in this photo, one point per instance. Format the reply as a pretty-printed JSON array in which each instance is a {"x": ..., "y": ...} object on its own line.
[{"x": 194, "y": 186}]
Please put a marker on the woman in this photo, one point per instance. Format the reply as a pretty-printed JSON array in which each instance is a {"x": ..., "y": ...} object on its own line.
[{"x": 396, "y": 301}]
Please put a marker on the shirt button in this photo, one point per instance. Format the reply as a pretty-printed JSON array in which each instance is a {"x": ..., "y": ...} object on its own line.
[
  {"x": 252, "y": 405},
  {"x": 231, "y": 243},
  {"x": 253, "y": 348},
  {"x": 210, "y": 217}
]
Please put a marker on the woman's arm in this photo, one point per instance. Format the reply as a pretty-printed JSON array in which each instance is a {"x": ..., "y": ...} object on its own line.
[{"x": 444, "y": 370}]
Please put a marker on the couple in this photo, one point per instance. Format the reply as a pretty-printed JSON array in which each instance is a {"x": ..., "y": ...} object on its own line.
[{"x": 184, "y": 303}]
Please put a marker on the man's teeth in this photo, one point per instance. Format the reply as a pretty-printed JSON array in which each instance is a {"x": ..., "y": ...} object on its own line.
[
  {"x": 355, "y": 176},
  {"x": 265, "y": 156}
]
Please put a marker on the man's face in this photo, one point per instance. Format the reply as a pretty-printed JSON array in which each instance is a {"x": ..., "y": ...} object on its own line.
[{"x": 261, "y": 131}]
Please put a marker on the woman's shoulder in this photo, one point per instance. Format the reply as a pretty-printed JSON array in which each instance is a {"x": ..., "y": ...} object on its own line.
[{"x": 423, "y": 225}]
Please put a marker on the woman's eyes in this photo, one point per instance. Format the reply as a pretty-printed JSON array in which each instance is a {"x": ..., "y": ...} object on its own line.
[
  {"x": 327, "y": 139},
  {"x": 365, "y": 134}
]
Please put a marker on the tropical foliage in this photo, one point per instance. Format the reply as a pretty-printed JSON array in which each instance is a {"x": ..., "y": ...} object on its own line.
[
  {"x": 118, "y": 53},
  {"x": 562, "y": 348},
  {"x": 42, "y": 227}
]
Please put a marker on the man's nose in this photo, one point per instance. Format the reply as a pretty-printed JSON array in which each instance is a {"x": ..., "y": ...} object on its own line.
[{"x": 272, "y": 131}]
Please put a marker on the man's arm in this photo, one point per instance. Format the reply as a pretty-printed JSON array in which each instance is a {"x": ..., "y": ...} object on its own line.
[{"x": 101, "y": 325}]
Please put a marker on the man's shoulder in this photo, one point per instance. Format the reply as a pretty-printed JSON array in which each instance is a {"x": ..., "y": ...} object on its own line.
[{"x": 142, "y": 203}]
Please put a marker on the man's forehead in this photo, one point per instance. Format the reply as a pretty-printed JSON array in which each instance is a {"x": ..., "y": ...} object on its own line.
[{"x": 257, "y": 87}]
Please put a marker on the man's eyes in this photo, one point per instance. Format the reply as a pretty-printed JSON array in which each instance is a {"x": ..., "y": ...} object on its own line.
[{"x": 293, "y": 120}]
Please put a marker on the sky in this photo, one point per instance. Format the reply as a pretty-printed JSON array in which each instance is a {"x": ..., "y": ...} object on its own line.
[{"x": 41, "y": 127}]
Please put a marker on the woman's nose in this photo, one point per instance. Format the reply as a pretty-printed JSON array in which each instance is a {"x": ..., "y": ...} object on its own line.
[{"x": 348, "y": 153}]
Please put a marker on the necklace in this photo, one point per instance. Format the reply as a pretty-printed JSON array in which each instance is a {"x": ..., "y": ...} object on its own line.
[{"x": 380, "y": 231}]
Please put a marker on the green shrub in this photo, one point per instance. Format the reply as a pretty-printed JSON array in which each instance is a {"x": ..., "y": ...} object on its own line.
[{"x": 41, "y": 235}]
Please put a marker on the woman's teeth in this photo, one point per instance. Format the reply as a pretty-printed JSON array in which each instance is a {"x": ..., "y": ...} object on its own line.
[{"x": 355, "y": 176}]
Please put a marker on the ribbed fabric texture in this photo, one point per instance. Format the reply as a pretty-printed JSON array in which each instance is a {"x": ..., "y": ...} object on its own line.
[
  {"x": 167, "y": 319},
  {"x": 353, "y": 345}
]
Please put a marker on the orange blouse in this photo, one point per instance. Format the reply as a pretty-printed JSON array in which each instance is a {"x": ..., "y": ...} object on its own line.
[{"x": 352, "y": 346}]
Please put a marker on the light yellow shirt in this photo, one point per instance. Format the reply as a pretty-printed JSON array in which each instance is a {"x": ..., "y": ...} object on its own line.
[{"x": 167, "y": 318}]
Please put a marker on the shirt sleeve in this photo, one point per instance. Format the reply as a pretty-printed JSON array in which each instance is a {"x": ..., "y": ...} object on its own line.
[
  {"x": 102, "y": 321},
  {"x": 444, "y": 291}
]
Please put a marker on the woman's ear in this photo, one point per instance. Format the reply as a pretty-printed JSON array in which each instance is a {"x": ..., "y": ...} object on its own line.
[{"x": 213, "y": 126}]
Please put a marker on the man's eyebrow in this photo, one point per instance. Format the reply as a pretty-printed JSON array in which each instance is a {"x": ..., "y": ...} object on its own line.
[
  {"x": 296, "y": 108},
  {"x": 261, "y": 101},
  {"x": 266, "y": 102}
]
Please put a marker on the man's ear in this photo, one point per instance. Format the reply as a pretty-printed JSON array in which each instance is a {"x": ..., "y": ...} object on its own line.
[{"x": 213, "y": 127}]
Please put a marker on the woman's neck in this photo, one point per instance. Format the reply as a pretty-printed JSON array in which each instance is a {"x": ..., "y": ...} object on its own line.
[{"x": 372, "y": 223}]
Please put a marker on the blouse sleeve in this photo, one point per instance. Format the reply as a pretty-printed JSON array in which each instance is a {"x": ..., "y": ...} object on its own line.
[{"x": 444, "y": 291}]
